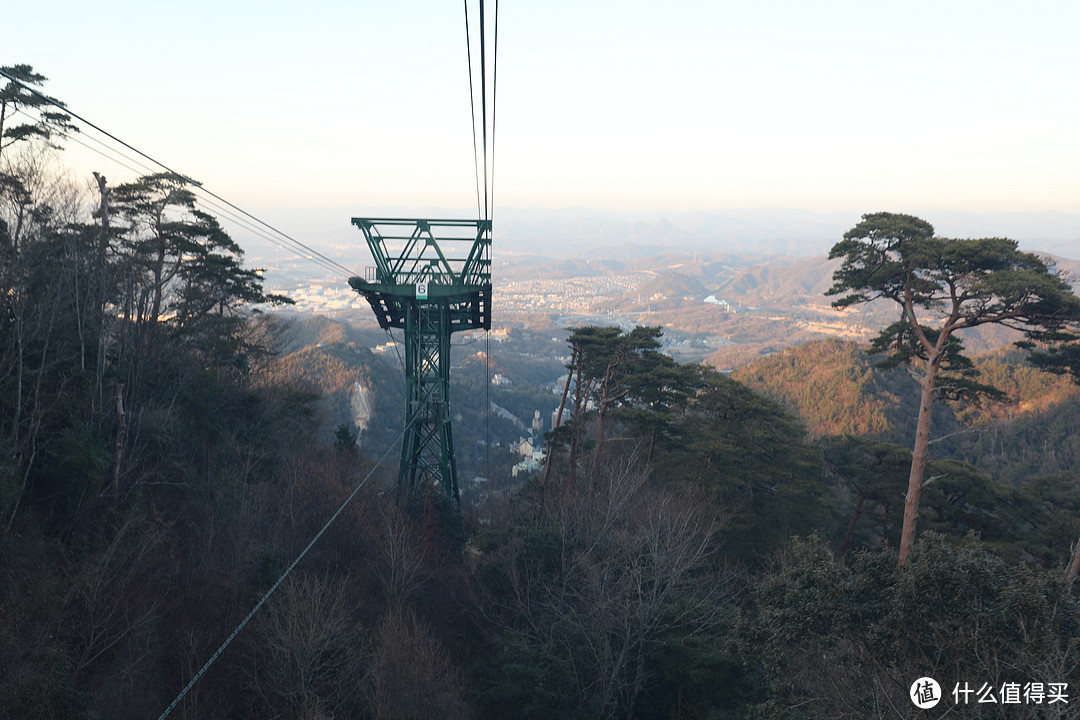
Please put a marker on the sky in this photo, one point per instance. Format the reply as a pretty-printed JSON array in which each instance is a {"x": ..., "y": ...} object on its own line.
[{"x": 625, "y": 106}]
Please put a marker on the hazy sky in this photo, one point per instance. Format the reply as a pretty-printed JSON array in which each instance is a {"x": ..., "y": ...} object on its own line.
[{"x": 825, "y": 105}]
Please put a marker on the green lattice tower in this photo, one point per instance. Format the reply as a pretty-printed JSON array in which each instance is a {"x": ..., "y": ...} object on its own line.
[{"x": 431, "y": 278}]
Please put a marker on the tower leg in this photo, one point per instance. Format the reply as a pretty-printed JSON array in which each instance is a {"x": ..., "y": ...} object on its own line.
[{"x": 427, "y": 451}]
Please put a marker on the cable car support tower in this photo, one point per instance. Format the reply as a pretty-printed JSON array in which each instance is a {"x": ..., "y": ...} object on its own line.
[
  {"x": 432, "y": 278},
  {"x": 435, "y": 282}
]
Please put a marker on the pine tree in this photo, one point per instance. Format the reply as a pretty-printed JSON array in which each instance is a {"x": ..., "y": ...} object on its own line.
[{"x": 941, "y": 287}]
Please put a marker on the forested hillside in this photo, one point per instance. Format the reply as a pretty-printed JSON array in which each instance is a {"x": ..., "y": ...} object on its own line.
[
  {"x": 1004, "y": 465},
  {"x": 835, "y": 389}
]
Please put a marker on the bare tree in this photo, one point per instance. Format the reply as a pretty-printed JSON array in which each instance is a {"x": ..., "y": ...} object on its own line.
[
  {"x": 310, "y": 659},
  {"x": 401, "y": 563},
  {"x": 412, "y": 675},
  {"x": 634, "y": 563}
]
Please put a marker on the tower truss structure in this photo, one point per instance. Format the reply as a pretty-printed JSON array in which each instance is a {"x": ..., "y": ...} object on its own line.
[{"x": 431, "y": 278}]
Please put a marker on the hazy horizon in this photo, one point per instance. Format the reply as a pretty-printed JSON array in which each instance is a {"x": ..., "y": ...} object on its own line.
[{"x": 580, "y": 231}]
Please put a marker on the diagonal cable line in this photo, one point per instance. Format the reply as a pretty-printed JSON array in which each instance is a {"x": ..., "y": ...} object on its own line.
[
  {"x": 313, "y": 251},
  {"x": 108, "y": 153},
  {"x": 104, "y": 151},
  {"x": 66, "y": 109},
  {"x": 259, "y": 232},
  {"x": 281, "y": 579},
  {"x": 181, "y": 176}
]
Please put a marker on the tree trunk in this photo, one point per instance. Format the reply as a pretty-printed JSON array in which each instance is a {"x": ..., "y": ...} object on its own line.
[
  {"x": 100, "y": 292},
  {"x": 559, "y": 414},
  {"x": 3, "y": 114},
  {"x": 159, "y": 268},
  {"x": 121, "y": 433},
  {"x": 919, "y": 455},
  {"x": 581, "y": 395},
  {"x": 851, "y": 526},
  {"x": 1074, "y": 563},
  {"x": 601, "y": 412}
]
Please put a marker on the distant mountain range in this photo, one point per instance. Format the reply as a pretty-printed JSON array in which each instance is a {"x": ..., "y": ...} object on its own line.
[
  {"x": 578, "y": 232},
  {"x": 584, "y": 233}
]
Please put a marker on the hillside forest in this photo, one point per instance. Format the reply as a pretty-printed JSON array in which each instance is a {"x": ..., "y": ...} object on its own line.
[{"x": 696, "y": 545}]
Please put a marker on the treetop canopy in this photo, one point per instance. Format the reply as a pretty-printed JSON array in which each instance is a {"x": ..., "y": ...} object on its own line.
[{"x": 971, "y": 281}]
